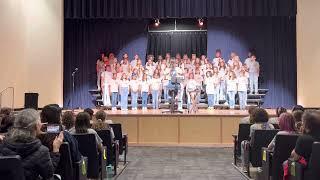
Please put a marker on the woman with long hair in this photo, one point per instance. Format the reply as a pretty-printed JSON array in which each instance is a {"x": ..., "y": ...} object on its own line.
[{"x": 287, "y": 126}]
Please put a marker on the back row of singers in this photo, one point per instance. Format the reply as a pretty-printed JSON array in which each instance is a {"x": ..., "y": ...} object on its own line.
[{"x": 221, "y": 80}]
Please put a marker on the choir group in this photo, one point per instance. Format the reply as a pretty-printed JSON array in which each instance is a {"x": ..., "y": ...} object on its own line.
[{"x": 219, "y": 79}]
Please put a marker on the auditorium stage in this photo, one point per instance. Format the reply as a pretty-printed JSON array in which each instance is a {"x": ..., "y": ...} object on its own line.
[{"x": 206, "y": 128}]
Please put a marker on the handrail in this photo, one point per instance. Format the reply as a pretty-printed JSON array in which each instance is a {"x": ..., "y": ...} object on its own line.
[{"x": 12, "y": 96}]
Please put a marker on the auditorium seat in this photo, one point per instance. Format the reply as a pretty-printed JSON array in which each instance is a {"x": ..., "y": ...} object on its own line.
[
  {"x": 112, "y": 148},
  {"x": 298, "y": 171},
  {"x": 243, "y": 134},
  {"x": 69, "y": 170},
  {"x": 96, "y": 161},
  {"x": 261, "y": 138},
  {"x": 65, "y": 168},
  {"x": 272, "y": 161},
  {"x": 11, "y": 168},
  {"x": 122, "y": 138}
]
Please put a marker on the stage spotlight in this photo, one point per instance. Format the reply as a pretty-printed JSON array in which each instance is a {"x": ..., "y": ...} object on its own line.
[
  {"x": 157, "y": 22},
  {"x": 200, "y": 21}
]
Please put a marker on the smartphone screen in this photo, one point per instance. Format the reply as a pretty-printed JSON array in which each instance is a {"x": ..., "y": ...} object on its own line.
[{"x": 53, "y": 128}]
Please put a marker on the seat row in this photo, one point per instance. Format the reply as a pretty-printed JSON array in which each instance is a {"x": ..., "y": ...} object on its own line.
[
  {"x": 272, "y": 162},
  {"x": 93, "y": 164}
]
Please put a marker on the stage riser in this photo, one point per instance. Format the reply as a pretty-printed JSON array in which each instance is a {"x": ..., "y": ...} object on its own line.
[{"x": 179, "y": 130}]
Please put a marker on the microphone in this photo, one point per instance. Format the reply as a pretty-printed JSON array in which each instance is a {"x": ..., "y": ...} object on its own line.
[{"x": 74, "y": 72}]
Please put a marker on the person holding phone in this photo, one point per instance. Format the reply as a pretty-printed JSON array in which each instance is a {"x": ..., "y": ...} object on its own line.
[{"x": 51, "y": 117}]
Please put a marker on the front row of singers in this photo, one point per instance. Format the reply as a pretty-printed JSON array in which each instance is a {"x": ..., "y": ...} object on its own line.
[{"x": 116, "y": 91}]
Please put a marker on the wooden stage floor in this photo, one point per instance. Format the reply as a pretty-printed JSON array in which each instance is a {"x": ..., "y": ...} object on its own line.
[{"x": 206, "y": 128}]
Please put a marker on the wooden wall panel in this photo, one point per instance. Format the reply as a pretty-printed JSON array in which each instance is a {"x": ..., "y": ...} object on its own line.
[
  {"x": 200, "y": 130},
  {"x": 158, "y": 129}
]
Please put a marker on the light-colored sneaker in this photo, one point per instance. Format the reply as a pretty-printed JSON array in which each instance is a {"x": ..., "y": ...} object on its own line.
[{"x": 113, "y": 108}]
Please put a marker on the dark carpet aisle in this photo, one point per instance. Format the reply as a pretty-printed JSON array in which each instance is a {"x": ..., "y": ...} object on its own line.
[{"x": 171, "y": 163}]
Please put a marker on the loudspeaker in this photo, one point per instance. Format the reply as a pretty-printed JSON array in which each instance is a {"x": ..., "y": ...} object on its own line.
[{"x": 31, "y": 100}]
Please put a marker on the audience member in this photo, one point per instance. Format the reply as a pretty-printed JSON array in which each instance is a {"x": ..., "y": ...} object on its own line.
[
  {"x": 297, "y": 107},
  {"x": 310, "y": 134},
  {"x": 68, "y": 120},
  {"x": 287, "y": 126},
  {"x": 82, "y": 126},
  {"x": 6, "y": 123},
  {"x": 101, "y": 123},
  {"x": 279, "y": 111},
  {"x": 260, "y": 119},
  {"x": 21, "y": 140},
  {"x": 90, "y": 112},
  {"x": 51, "y": 115},
  {"x": 5, "y": 111},
  {"x": 248, "y": 119},
  {"x": 297, "y": 114}
]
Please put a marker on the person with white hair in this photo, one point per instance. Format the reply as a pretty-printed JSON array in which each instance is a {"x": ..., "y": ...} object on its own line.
[{"x": 22, "y": 140}]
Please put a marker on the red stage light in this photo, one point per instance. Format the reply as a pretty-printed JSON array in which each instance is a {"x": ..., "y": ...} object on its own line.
[
  {"x": 200, "y": 21},
  {"x": 157, "y": 22}
]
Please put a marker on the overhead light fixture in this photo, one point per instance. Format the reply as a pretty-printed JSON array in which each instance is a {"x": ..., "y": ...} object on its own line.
[
  {"x": 157, "y": 22},
  {"x": 200, "y": 21}
]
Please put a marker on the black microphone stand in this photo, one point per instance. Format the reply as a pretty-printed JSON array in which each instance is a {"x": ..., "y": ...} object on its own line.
[{"x": 73, "y": 74}]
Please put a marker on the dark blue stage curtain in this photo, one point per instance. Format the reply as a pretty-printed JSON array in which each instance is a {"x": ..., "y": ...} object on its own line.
[
  {"x": 159, "y": 43},
  {"x": 177, "y": 8},
  {"x": 274, "y": 39},
  {"x": 84, "y": 40}
]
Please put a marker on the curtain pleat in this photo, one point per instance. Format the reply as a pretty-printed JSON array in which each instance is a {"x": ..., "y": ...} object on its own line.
[
  {"x": 177, "y": 42},
  {"x": 176, "y": 8}
]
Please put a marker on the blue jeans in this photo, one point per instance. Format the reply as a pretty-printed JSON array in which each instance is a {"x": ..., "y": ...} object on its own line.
[
  {"x": 144, "y": 99},
  {"x": 222, "y": 91},
  {"x": 166, "y": 94},
  {"x": 216, "y": 98},
  {"x": 114, "y": 98},
  {"x": 155, "y": 99},
  {"x": 134, "y": 99},
  {"x": 231, "y": 98},
  {"x": 124, "y": 92},
  {"x": 253, "y": 81},
  {"x": 210, "y": 100},
  {"x": 242, "y": 99},
  {"x": 106, "y": 95}
]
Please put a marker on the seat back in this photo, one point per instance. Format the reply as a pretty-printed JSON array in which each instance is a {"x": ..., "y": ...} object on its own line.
[
  {"x": 105, "y": 135},
  {"x": 243, "y": 134},
  {"x": 65, "y": 166},
  {"x": 117, "y": 129},
  {"x": 11, "y": 168},
  {"x": 88, "y": 148},
  {"x": 261, "y": 138},
  {"x": 314, "y": 162},
  {"x": 284, "y": 145}
]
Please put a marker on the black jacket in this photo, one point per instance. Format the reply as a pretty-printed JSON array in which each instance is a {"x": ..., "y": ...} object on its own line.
[{"x": 36, "y": 159}]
